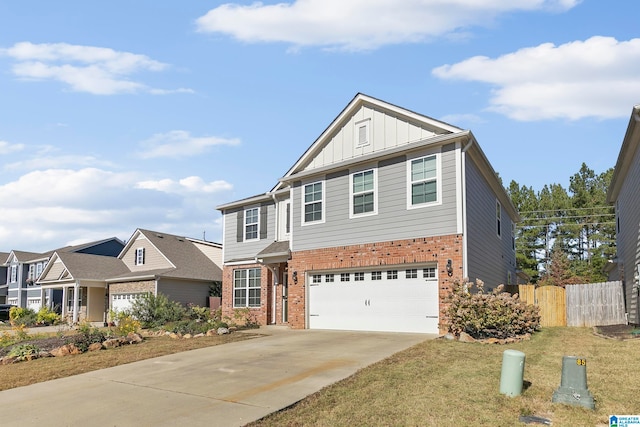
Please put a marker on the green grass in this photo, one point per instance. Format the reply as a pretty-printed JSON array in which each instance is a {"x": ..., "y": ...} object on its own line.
[{"x": 444, "y": 383}]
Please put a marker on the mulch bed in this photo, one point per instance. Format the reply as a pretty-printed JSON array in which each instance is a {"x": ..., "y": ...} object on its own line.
[
  {"x": 620, "y": 332},
  {"x": 44, "y": 344}
]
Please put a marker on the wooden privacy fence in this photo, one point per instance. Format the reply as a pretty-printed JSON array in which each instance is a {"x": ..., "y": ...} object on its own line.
[{"x": 593, "y": 304}]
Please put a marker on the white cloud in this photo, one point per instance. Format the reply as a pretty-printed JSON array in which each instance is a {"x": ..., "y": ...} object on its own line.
[
  {"x": 50, "y": 208},
  {"x": 191, "y": 184},
  {"x": 180, "y": 143},
  {"x": 57, "y": 162},
  {"x": 360, "y": 24},
  {"x": 597, "y": 78},
  {"x": 8, "y": 148},
  {"x": 95, "y": 70}
]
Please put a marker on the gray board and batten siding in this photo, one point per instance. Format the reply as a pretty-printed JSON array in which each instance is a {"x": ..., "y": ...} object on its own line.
[
  {"x": 393, "y": 220},
  {"x": 485, "y": 249},
  {"x": 184, "y": 291}
]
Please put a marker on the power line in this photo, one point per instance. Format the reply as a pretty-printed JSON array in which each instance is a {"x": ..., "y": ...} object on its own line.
[{"x": 568, "y": 209}]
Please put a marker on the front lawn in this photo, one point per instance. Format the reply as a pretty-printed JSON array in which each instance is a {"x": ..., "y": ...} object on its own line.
[{"x": 445, "y": 383}]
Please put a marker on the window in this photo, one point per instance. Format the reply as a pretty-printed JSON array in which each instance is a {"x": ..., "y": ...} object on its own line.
[
  {"x": 363, "y": 189},
  {"x": 362, "y": 133},
  {"x": 313, "y": 207},
  {"x": 316, "y": 278},
  {"x": 344, "y": 277},
  {"x": 328, "y": 278},
  {"x": 392, "y": 274},
  {"x": 246, "y": 287},
  {"x": 358, "y": 277},
  {"x": 412, "y": 273},
  {"x": 376, "y": 275},
  {"x": 498, "y": 219},
  {"x": 423, "y": 185},
  {"x": 139, "y": 260},
  {"x": 31, "y": 271},
  {"x": 429, "y": 273},
  {"x": 39, "y": 268},
  {"x": 509, "y": 278},
  {"x": 14, "y": 274},
  {"x": 251, "y": 220},
  {"x": 513, "y": 235}
]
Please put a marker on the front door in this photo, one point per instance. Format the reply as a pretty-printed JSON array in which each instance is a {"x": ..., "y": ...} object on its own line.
[{"x": 285, "y": 298}]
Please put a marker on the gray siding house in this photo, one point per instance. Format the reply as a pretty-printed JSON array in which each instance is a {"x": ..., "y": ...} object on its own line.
[
  {"x": 370, "y": 227},
  {"x": 3, "y": 278},
  {"x": 625, "y": 196}
]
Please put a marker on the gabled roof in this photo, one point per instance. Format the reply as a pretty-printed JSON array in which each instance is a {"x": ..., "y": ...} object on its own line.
[
  {"x": 29, "y": 257},
  {"x": 356, "y": 103},
  {"x": 86, "y": 266},
  {"x": 24, "y": 256},
  {"x": 4, "y": 256},
  {"x": 187, "y": 260},
  {"x": 630, "y": 145}
]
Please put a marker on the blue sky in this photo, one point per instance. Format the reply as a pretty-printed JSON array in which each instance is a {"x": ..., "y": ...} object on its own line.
[{"x": 125, "y": 114}]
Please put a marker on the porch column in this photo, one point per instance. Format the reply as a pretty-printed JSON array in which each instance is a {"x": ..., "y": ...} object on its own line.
[
  {"x": 65, "y": 301},
  {"x": 76, "y": 301},
  {"x": 43, "y": 297},
  {"x": 274, "y": 273}
]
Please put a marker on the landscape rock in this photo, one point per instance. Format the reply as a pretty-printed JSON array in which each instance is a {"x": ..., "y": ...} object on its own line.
[
  {"x": 449, "y": 337},
  {"x": 212, "y": 332},
  {"x": 198, "y": 335},
  {"x": 112, "y": 343},
  {"x": 465, "y": 337},
  {"x": 187, "y": 336},
  {"x": 134, "y": 338},
  {"x": 174, "y": 336},
  {"x": 65, "y": 350},
  {"x": 223, "y": 331},
  {"x": 8, "y": 360},
  {"x": 95, "y": 346}
]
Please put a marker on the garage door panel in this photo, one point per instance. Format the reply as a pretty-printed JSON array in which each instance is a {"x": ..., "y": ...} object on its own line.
[{"x": 395, "y": 305}]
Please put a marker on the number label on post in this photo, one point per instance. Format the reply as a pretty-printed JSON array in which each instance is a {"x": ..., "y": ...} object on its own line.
[{"x": 581, "y": 362}]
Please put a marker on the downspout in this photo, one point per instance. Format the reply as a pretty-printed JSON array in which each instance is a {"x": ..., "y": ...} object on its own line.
[
  {"x": 76, "y": 301},
  {"x": 463, "y": 181}
]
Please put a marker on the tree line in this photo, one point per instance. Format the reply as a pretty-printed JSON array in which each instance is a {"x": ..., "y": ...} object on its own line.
[{"x": 566, "y": 235}]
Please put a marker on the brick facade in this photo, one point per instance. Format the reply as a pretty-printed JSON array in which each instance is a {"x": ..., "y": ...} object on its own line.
[
  {"x": 394, "y": 253},
  {"x": 132, "y": 287}
]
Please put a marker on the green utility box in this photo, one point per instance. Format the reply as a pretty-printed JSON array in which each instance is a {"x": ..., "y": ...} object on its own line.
[
  {"x": 512, "y": 376},
  {"x": 573, "y": 384}
]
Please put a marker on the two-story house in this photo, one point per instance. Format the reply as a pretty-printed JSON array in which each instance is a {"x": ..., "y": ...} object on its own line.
[
  {"x": 25, "y": 268},
  {"x": 624, "y": 195},
  {"x": 370, "y": 227},
  {"x": 3, "y": 278}
]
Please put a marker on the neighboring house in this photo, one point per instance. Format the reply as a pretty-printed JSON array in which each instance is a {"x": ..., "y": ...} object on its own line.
[
  {"x": 624, "y": 195},
  {"x": 370, "y": 227},
  {"x": 181, "y": 268},
  {"x": 24, "y": 269},
  {"x": 3, "y": 278}
]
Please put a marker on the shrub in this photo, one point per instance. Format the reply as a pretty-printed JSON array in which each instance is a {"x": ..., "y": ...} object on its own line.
[
  {"x": 124, "y": 322},
  {"x": 86, "y": 336},
  {"x": 496, "y": 314},
  {"x": 47, "y": 317},
  {"x": 24, "y": 351},
  {"x": 22, "y": 316},
  {"x": 154, "y": 311}
]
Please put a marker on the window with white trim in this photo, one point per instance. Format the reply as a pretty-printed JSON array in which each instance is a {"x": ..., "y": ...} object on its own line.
[
  {"x": 411, "y": 273},
  {"x": 358, "y": 277},
  {"x": 498, "y": 219},
  {"x": 31, "y": 272},
  {"x": 423, "y": 180},
  {"x": 13, "y": 277},
  {"x": 246, "y": 287},
  {"x": 316, "y": 278},
  {"x": 139, "y": 256},
  {"x": 313, "y": 206},
  {"x": 376, "y": 275},
  {"x": 363, "y": 192},
  {"x": 328, "y": 278},
  {"x": 362, "y": 133},
  {"x": 344, "y": 277},
  {"x": 39, "y": 268},
  {"x": 392, "y": 274},
  {"x": 251, "y": 223},
  {"x": 513, "y": 235}
]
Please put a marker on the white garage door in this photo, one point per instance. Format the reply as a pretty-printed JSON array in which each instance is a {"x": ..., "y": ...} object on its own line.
[{"x": 397, "y": 300}]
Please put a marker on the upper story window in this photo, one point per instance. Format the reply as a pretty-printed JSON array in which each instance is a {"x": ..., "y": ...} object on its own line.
[
  {"x": 32, "y": 268},
  {"x": 363, "y": 192},
  {"x": 313, "y": 202},
  {"x": 423, "y": 176},
  {"x": 39, "y": 268},
  {"x": 13, "y": 274},
  {"x": 499, "y": 219},
  {"x": 139, "y": 256},
  {"x": 362, "y": 133},
  {"x": 251, "y": 222}
]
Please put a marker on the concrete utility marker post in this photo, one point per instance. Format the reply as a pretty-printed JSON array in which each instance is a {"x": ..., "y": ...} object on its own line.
[{"x": 573, "y": 384}]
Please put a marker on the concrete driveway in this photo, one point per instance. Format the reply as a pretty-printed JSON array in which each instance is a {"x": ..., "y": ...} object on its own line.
[{"x": 226, "y": 385}]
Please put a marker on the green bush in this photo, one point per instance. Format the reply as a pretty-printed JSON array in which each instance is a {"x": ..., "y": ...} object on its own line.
[
  {"x": 86, "y": 336},
  {"x": 496, "y": 314},
  {"x": 24, "y": 351},
  {"x": 154, "y": 311},
  {"x": 47, "y": 317},
  {"x": 22, "y": 316}
]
